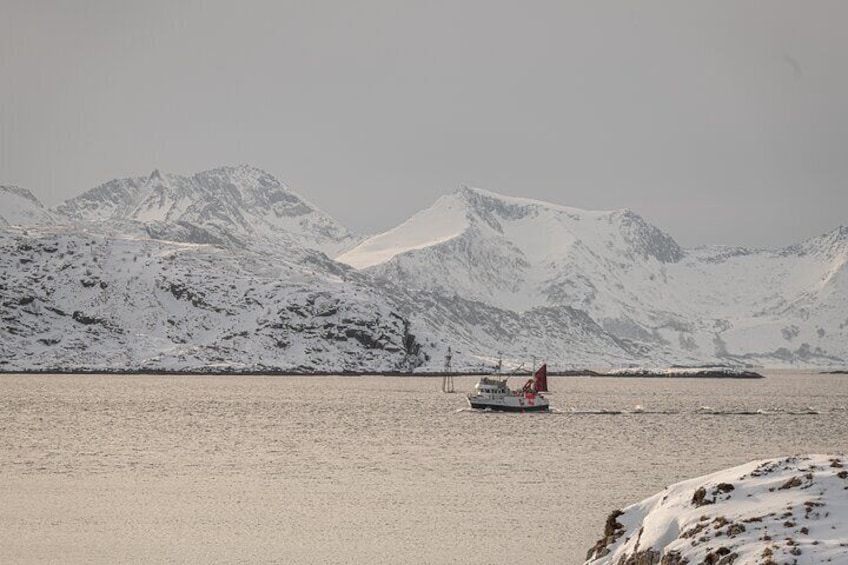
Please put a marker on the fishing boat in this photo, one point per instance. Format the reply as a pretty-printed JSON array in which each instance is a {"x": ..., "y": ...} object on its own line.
[{"x": 492, "y": 393}]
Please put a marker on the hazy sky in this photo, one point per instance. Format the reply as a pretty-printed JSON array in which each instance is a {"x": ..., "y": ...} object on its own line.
[{"x": 718, "y": 121}]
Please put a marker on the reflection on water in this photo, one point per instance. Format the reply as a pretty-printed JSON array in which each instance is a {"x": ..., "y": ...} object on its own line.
[{"x": 367, "y": 469}]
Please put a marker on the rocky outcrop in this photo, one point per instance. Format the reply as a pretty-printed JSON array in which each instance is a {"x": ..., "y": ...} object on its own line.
[{"x": 789, "y": 510}]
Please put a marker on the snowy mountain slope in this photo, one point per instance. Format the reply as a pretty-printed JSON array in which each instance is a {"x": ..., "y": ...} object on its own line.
[
  {"x": 237, "y": 205},
  {"x": 479, "y": 334},
  {"x": 81, "y": 300},
  {"x": 85, "y": 300},
  {"x": 511, "y": 252},
  {"x": 789, "y": 305},
  {"x": 19, "y": 207},
  {"x": 790, "y": 510},
  {"x": 735, "y": 305},
  {"x": 444, "y": 221}
]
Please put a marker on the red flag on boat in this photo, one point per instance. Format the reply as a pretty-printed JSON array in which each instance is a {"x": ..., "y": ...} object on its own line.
[{"x": 541, "y": 378}]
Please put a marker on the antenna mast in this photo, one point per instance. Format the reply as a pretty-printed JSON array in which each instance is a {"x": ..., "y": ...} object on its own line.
[{"x": 447, "y": 377}]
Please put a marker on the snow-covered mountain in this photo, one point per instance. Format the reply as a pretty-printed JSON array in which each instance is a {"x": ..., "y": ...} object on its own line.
[
  {"x": 234, "y": 205},
  {"x": 511, "y": 252},
  {"x": 230, "y": 268},
  {"x": 82, "y": 300},
  {"x": 705, "y": 305},
  {"x": 19, "y": 207}
]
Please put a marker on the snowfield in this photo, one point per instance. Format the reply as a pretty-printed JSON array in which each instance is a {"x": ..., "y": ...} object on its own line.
[{"x": 788, "y": 510}]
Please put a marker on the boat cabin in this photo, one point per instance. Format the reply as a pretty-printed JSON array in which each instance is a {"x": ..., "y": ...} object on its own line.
[{"x": 491, "y": 386}]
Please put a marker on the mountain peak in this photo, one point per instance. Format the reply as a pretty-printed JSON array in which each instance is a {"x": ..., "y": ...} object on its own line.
[
  {"x": 20, "y": 192},
  {"x": 468, "y": 191},
  {"x": 478, "y": 197},
  {"x": 514, "y": 207},
  {"x": 19, "y": 206},
  {"x": 510, "y": 222},
  {"x": 646, "y": 239},
  {"x": 245, "y": 168},
  {"x": 839, "y": 235},
  {"x": 831, "y": 244},
  {"x": 236, "y": 203}
]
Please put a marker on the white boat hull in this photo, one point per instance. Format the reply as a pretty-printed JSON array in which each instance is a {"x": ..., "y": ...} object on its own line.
[{"x": 509, "y": 403}]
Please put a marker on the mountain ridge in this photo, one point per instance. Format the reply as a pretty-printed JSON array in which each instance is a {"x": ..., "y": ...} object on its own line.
[
  {"x": 477, "y": 270},
  {"x": 239, "y": 204},
  {"x": 730, "y": 304},
  {"x": 19, "y": 206}
]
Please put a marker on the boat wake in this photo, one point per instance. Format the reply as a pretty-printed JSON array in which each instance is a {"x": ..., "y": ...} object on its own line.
[
  {"x": 638, "y": 410},
  {"x": 605, "y": 411},
  {"x": 708, "y": 410},
  {"x": 703, "y": 410}
]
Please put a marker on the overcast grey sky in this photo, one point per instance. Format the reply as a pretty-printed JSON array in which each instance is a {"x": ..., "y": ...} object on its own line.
[{"x": 718, "y": 121}]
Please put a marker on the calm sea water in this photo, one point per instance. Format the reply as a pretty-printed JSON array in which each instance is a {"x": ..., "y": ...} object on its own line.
[{"x": 107, "y": 469}]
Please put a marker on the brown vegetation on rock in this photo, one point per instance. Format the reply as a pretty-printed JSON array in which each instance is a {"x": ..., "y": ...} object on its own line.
[{"x": 791, "y": 483}]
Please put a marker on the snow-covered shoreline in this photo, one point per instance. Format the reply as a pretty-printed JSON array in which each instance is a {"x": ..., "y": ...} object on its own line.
[{"x": 785, "y": 510}]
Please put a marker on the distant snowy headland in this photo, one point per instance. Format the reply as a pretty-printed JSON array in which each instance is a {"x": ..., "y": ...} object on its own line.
[
  {"x": 684, "y": 373},
  {"x": 787, "y": 510}
]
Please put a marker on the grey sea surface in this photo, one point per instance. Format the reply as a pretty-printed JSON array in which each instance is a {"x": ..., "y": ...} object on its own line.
[{"x": 248, "y": 469}]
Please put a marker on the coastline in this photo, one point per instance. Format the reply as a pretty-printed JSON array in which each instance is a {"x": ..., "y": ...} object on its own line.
[{"x": 233, "y": 371}]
